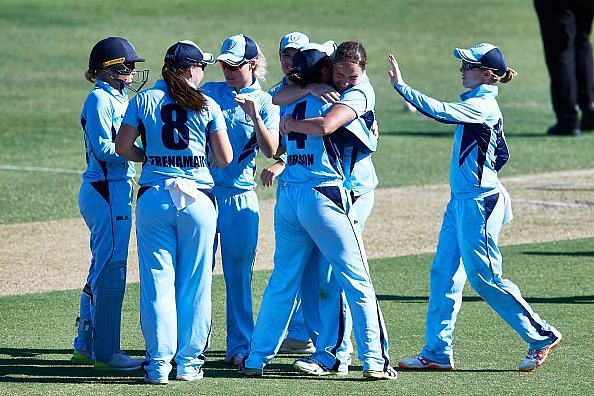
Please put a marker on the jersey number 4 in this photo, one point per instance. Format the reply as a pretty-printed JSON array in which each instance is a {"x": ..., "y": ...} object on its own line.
[
  {"x": 298, "y": 114},
  {"x": 174, "y": 119}
]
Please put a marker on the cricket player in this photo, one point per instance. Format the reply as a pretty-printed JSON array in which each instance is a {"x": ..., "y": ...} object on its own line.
[
  {"x": 176, "y": 212},
  {"x": 313, "y": 209},
  {"x": 326, "y": 309},
  {"x": 105, "y": 204},
  {"x": 478, "y": 207},
  {"x": 252, "y": 124}
]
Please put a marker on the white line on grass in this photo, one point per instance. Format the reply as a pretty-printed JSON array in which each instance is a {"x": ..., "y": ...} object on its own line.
[
  {"x": 561, "y": 204},
  {"x": 39, "y": 169}
]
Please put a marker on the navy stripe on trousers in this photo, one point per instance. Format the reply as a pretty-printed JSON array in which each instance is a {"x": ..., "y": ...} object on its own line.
[
  {"x": 341, "y": 330},
  {"x": 379, "y": 316}
]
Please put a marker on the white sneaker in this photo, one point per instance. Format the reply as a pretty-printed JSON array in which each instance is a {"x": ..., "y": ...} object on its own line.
[
  {"x": 236, "y": 359},
  {"x": 120, "y": 361},
  {"x": 198, "y": 374},
  {"x": 387, "y": 374},
  {"x": 313, "y": 367},
  {"x": 420, "y": 362},
  {"x": 291, "y": 345},
  {"x": 536, "y": 357}
]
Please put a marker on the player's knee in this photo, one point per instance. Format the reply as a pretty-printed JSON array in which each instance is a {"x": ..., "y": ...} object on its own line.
[
  {"x": 112, "y": 276},
  {"x": 481, "y": 283}
]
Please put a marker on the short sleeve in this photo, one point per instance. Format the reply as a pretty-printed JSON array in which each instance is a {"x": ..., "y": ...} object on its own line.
[
  {"x": 131, "y": 116},
  {"x": 269, "y": 112},
  {"x": 356, "y": 100},
  {"x": 217, "y": 121}
]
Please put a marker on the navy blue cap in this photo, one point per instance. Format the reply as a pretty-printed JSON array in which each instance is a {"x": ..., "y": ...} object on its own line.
[
  {"x": 304, "y": 61},
  {"x": 186, "y": 53},
  {"x": 238, "y": 49},
  {"x": 310, "y": 54},
  {"x": 487, "y": 55},
  {"x": 112, "y": 51}
]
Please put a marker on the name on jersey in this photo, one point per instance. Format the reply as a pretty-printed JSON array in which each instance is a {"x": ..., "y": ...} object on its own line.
[
  {"x": 300, "y": 159},
  {"x": 178, "y": 161}
]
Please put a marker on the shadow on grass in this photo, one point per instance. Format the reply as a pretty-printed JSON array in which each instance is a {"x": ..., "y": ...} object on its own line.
[
  {"x": 538, "y": 300},
  {"x": 32, "y": 365},
  {"x": 453, "y": 372},
  {"x": 565, "y": 254},
  {"x": 449, "y": 134}
]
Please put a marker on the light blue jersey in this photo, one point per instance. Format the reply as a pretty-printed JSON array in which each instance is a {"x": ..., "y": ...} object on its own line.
[
  {"x": 104, "y": 201},
  {"x": 333, "y": 346},
  {"x": 469, "y": 236},
  {"x": 175, "y": 237},
  {"x": 238, "y": 217},
  {"x": 480, "y": 149},
  {"x": 176, "y": 142},
  {"x": 311, "y": 160},
  {"x": 313, "y": 211},
  {"x": 100, "y": 118},
  {"x": 357, "y": 165},
  {"x": 240, "y": 127}
]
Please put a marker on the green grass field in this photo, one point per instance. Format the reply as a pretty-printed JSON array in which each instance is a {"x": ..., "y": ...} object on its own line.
[
  {"x": 45, "y": 53},
  {"x": 555, "y": 278},
  {"x": 43, "y": 84}
]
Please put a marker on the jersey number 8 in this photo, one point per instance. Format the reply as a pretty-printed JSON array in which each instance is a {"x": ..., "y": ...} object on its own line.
[{"x": 171, "y": 139}]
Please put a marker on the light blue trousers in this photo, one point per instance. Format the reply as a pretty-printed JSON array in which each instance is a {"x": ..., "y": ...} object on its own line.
[
  {"x": 297, "y": 329},
  {"x": 333, "y": 319},
  {"x": 175, "y": 255},
  {"x": 467, "y": 247},
  {"x": 237, "y": 224},
  {"x": 107, "y": 211},
  {"x": 305, "y": 218}
]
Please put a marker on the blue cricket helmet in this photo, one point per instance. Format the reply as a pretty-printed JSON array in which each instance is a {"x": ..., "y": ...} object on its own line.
[
  {"x": 113, "y": 53},
  {"x": 116, "y": 54}
]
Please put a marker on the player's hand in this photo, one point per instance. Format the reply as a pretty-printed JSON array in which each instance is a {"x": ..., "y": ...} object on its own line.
[
  {"x": 247, "y": 104},
  {"x": 284, "y": 128},
  {"x": 324, "y": 92},
  {"x": 394, "y": 72},
  {"x": 270, "y": 173}
]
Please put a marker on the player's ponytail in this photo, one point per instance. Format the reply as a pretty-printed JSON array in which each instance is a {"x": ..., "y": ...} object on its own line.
[
  {"x": 179, "y": 89},
  {"x": 91, "y": 76},
  {"x": 94, "y": 75},
  {"x": 509, "y": 75}
]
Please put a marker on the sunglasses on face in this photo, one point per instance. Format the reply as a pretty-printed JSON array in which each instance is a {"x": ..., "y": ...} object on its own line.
[
  {"x": 226, "y": 66},
  {"x": 470, "y": 66},
  {"x": 201, "y": 65}
]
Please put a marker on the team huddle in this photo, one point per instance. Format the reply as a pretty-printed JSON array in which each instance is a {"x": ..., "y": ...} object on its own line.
[{"x": 197, "y": 143}]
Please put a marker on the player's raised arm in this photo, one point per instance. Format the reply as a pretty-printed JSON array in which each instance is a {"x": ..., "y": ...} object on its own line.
[{"x": 267, "y": 137}]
